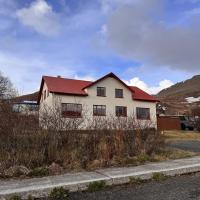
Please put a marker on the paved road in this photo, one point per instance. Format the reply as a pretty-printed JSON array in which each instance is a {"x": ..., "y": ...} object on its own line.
[
  {"x": 177, "y": 188},
  {"x": 186, "y": 145}
]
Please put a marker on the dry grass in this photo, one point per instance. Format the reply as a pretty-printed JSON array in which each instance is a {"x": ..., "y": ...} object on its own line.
[
  {"x": 172, "y": 154},
  {"x": 182, "y": 135}
]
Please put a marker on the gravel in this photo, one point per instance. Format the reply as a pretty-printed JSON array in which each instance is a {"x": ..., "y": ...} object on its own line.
[{"x": 183, "y": 187}]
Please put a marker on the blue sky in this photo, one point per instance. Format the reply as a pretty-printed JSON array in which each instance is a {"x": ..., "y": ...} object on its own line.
[{"x": 151, "y": 44}]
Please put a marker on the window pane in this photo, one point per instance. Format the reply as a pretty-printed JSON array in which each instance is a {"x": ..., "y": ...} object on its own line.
[
  {"x": 99, "y": 110},
  {"x": 143, "y": 113},
  {"x": 121, "y": 111},
  {"x": 71, "y": 110},
  {"x": 118, "y": 93},
  {"x": 101, "y": 91}
]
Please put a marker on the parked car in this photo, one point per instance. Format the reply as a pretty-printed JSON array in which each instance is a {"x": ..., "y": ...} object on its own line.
[{"x": 187, "y": 122}]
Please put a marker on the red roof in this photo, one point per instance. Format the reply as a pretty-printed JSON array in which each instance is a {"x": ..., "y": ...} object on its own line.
[
  {"x": 141, "y": 95},
  {"x": 76, "y": 87}
]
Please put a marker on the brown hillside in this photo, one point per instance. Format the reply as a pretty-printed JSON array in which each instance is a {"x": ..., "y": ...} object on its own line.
[
  {"x": 27, "y": 97},
  {"x": 173, "y": 98}
]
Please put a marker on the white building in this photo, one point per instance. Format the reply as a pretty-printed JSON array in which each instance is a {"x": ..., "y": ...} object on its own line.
[{"x": 107, "y": 96}]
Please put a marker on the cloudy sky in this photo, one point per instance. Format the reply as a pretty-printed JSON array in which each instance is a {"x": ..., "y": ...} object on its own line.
[{"x": 148, "y": 43}]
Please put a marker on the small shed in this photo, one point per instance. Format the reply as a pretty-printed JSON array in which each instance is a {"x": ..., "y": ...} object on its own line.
[{"x": 168, "y": 123}]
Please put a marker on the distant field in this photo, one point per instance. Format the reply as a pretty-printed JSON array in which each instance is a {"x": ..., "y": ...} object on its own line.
[{"x": 182, "y": 135}]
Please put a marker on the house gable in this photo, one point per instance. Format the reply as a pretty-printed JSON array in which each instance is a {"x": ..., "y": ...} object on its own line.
[{"x": 72, "y": 87}]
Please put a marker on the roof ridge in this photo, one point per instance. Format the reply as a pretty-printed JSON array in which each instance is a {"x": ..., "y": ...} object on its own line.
[{"x": 66, "y": 78}]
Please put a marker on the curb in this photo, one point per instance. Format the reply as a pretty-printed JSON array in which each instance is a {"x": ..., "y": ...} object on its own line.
[{"x": 41, "y": 187}]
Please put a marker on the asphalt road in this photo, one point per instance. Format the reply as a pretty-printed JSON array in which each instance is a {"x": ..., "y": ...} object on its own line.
[
  {"x": 177, "y": 188},
  {"x": 185, "y": 145}
]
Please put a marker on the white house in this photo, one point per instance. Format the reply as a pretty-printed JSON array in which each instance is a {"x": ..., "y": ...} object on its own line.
[{"x": 107, "y": 96}]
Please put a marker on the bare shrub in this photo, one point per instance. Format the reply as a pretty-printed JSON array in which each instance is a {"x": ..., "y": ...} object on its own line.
[{"x": 73, "y": 142}]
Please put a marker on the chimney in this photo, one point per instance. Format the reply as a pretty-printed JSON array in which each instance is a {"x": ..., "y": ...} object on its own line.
[{"x": 59, "y": 76}]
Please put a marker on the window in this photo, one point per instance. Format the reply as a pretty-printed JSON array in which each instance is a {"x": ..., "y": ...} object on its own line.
[
  {"x": 101, "y": 91},
  {"x": 71, "y": 110},
  {"x": 121, "y": 111},
  {"x": 99, "y": 110},
  {"x": 143, "y": 113},
  {"x": 44, "y": 94},
  {"x": 118, "y": 93}
]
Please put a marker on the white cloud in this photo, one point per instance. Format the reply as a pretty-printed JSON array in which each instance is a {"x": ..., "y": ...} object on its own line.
[
  {"x": 139, "y": 32},
  {"x": 151, "y": 90},
  {"x": 40, "y": 17},
  {"x": 86, "y": 78},
  {"x": 26, "y": 72}
]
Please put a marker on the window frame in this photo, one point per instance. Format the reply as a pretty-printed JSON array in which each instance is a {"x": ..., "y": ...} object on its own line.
[
  {"x": 100, "y": 95},
  {"x": 142, "y": 118},
  {"x": 64, "y": 113},
  {"x": 122, "y": 115},
  {"x": 96, "y": 114},
  {"x": 122, "y": 92}
]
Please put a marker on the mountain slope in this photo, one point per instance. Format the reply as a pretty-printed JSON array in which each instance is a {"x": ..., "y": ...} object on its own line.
[
  {"x": 175, "y": 97},
  {"x": 27, "y": 97}
]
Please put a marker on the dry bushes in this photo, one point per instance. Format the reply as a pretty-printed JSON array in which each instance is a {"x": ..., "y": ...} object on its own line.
[{"x": 105, "y": 142}]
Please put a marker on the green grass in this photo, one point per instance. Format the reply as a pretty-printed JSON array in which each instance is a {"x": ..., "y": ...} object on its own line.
[
  {"x": 158, "y": 176},
  {"x": 39, "y": 172},
  {"x": 135, "y": 181},
  {"x": 96, "y": 186},
  {"x": 59, "y": 194},
  {"x": 15, "y": 197}
]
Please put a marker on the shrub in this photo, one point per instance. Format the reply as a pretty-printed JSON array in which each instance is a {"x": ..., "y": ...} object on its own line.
[
  {"x": 23, "y": 142},
  {"x": 158, "y": 176},
  {"x": 96, "y": 186},
  {"x": 143, "y": 158},
  {"x": 39, "y": 172},
  {"x": 59, "y": 194},
  {"x": 198, "y": 124}
]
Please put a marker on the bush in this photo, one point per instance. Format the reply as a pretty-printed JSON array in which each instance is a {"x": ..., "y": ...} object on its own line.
[
  {"x": 22, "y": 142},
  {"x": 143, "y": 158},
  {"x": 198, "y": 124},
  {"x": 39, "y": 172},
  {"x": 96, "y": 186},
  {"x": 59, "y": 194}
]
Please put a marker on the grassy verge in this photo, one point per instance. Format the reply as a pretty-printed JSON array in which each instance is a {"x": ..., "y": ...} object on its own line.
[
  {"x": 172, "y": 154},
  {"x": 182, "y": 135}
]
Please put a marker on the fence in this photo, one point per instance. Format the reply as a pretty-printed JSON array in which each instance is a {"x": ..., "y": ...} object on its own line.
[{"x": 168, "y": 123}]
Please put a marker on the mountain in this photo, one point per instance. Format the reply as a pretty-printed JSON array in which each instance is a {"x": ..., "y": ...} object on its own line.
[
  {"x": 182, "y": 97},
  {"x": 27, "y": 97}
]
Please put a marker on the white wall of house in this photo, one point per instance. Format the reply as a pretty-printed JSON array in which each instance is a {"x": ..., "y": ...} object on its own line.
[{"x": 109, "y": 101}]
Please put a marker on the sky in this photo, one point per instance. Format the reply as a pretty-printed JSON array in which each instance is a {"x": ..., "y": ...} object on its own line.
[{"x": 150, "y": 44}]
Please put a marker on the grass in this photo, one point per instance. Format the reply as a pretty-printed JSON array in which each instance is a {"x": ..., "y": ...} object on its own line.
[
  {"x": 39, "y": 172},
  {"x": 135, "y": 181},
  {"x": 59, "y": 194},
  {"x": 182, "y": 135},
  {"x": 171, "y": 154},
  {"x": 15, "y": 197},
  {"x": 157, "y": 176},
  {"x": 96, "y": 186}
]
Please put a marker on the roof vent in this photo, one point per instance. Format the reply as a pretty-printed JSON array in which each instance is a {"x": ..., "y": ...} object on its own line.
[{"x": 59, "y": 76}]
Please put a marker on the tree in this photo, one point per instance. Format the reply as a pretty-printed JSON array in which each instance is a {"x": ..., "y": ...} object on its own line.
[{"x": 6, "y": 88}]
